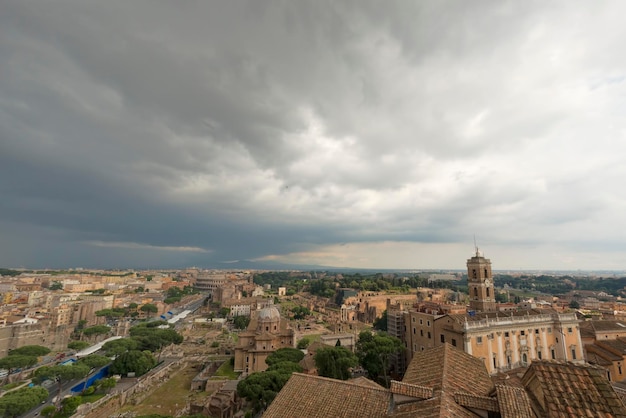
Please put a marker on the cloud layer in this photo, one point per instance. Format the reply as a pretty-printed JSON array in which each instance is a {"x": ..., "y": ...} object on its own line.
[{"x": 336, "y": 133}]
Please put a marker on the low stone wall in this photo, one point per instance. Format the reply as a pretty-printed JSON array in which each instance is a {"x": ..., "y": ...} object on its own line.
[{"x": 133, "y": 395}]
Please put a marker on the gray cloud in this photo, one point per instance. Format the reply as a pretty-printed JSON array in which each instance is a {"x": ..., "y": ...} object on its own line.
[{"x": 131, "y": 133}]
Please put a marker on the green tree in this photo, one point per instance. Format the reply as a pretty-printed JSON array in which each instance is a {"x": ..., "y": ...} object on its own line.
[
  {"x": 574, "y": 304},
  {"x": 111, "y": 313},
  {"x": 153, "y": 338},
  {"x": 96, "y": 330},
  {"x": 78, "y": 345},
  {"x": 56, "y": 285},
  {"x": 149, "y": 308},
  {"x": 61, "y": 374},
  {"x": 381, "y": 323},
  {"x": 135, "y": 361},
  {"x": 94, "y": 361},
  {"x": 68, "y": 407},
  {"x": 171, "y": 300},
  {"x": 374, "y": 351},
  {"x": 300, "y": 312},
  {"x": 18, "y": 361},
  {"x": 22, "y": 400},
  {"x": 106, "y": 384},
  {"x": 284, "y": 354},
  {"x": 224, "y": 312},
  {"x": 116, "y": 347},
  {"x": 48, "y": 411},
  {"x": 502, "y": 297},
  {"x": 261, "y": 388},
  {"x": 30, "y": 350},
  {"x": 286, "y": 367},
  {"x": 303, "y": 343},
  {"x": 241, "y": 322},
  {"x": 335, "y": 362}
]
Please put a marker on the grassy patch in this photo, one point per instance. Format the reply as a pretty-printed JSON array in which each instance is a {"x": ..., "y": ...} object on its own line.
[
  {"x": 92, "y": 398},
  {"x": 226, "y": 370},
  {"x": 312, "y": 337},
  {"x": 171, "y": 396},
  {"x": 11, "y": 385}
]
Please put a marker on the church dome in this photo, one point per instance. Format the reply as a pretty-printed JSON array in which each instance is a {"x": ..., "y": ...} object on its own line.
[{"x": 270, "y": 314}]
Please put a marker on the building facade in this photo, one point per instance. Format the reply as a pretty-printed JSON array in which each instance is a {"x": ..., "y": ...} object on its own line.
[
  {"x": 266, "y": 333},
  {"x": 503, "y": 340}
]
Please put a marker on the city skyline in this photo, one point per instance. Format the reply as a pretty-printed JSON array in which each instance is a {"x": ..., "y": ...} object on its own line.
[{"x": 316, "y": 133}]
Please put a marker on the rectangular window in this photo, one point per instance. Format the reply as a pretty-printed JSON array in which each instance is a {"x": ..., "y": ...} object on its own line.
[
  {"x": 454, "y": 342},
  {"x": 537, "y": 331},
  {"x": 553, "y": 354},
  {"x": 421, "y": 332},
  {"x": 442, "y": 338},
  {"x": 421, "y": 322},
  {"x": 539, "y": 355},
  {"x": 479, "y": 340},
  {"x": 428, "y": 323},
  {"x": 429, "y": 335},
  {"x": 413, "y": 319},
  {"x": 569, "y": 329},
  {"x": 413, "y": 331},
  {"x": 506, "y": 334},
  {"x": 494, "y": 362},
  {"x": 573, "y": 354},
  {"x": 522, "y": 332},
  {"x": 549, "y": 330}
]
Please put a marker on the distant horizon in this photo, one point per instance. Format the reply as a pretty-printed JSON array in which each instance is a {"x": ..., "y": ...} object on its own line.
[{"x": 308, "y": 268}]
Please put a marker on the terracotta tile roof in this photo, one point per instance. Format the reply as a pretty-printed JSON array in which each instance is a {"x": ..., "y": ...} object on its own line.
[
  {"x": 617, "y": 346},
  {"x": 604, "y": 325},
  {"x": 314, "y": 346},
  {"x": 448, "y": 368},
  {"x": 620, "y": 389},
  {"x": 364, "y": 381},
  {"x": 596, "y": 358},
  {"x": 568, "y": 390},
  {"x": 413, "y": 391},
  {"x": 513, "y": 402},
  {"x": 308, "y": 363},
  {"x": 320, "y": 397},
  {"x": 600, "y": 350},
  {"x": 447, "y": 371},
  {"x": 470, "y": 400}
]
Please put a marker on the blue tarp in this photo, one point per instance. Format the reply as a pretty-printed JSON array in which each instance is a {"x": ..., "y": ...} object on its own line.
[{"x": 104, "y": 372}]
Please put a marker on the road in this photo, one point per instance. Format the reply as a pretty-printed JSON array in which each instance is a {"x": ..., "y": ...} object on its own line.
[{"x": 54, "y": 391}]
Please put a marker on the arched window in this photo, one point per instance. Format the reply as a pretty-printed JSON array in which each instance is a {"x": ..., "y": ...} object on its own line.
[
  {"x": 487, "y": 292},
  {"x": 475, "y": 292},
  {"x": 524, "y": 358},
  {"x": 474, "y": 273},
  {"x": 486, "y": 273}
]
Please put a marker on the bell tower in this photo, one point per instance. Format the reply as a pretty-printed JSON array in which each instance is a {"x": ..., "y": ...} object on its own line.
[{"x": 480, "y": 284}]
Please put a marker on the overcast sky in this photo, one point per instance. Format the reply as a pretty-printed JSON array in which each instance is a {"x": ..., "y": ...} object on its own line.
[{"x": 336, "y": 133}]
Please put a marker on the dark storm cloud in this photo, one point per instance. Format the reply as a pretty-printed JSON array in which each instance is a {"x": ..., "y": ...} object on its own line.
[{"x": 192, "y": 133}]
